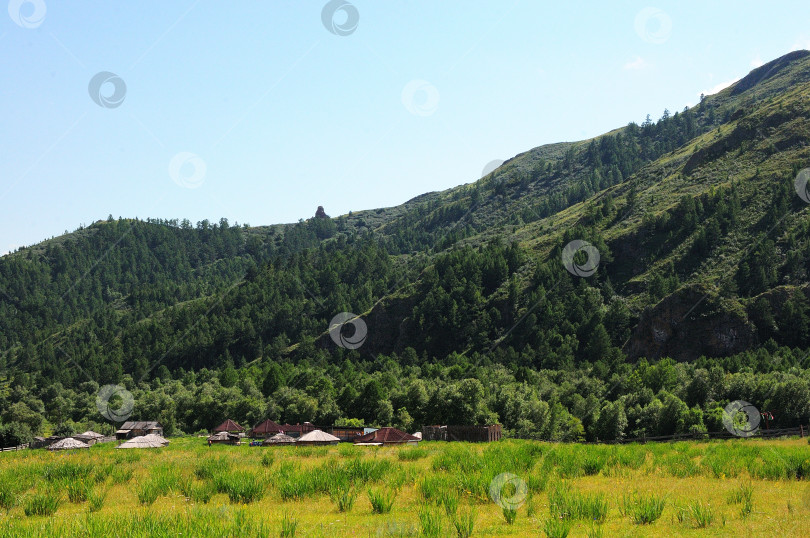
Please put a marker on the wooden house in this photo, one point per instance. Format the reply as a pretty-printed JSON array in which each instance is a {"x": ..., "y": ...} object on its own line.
[{"x": 132, "y": 429}]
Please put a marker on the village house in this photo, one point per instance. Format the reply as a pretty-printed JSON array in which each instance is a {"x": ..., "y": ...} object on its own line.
[{"x": 132, "y": 429}]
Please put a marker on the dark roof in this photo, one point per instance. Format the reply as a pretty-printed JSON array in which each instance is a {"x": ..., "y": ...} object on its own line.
[
  {"x": 268, "y": 426},
  {"x": 141, "y": 425},
  {"x": 386, "y": 435},
  {"x": 229, "y": 426},
  {"x": 302, "y": 428}
]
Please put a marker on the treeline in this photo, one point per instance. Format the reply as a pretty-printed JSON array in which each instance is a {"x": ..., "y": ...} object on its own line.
[{"x": 407, "y": 391}]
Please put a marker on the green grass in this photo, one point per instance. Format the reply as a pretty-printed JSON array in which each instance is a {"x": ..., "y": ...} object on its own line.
[
  {"x": 643, "y": 509},
  {"x": 381, "y": 500},
  {"x": 187, "y": 490},
  {"x": 42, "y": 504}
]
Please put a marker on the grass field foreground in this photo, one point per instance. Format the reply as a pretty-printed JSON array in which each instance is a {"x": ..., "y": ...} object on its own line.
[{"x": 519, "y": 488}]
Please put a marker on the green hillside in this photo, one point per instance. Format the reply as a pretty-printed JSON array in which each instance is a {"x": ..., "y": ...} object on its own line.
[{"x": 704, "y": 251}]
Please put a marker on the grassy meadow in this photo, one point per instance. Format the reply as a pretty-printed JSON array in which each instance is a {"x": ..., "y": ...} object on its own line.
[{"x": 737, "y": 487}]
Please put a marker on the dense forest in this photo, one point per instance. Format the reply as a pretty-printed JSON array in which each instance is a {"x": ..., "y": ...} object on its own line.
[{"x": 700, "y": 296}]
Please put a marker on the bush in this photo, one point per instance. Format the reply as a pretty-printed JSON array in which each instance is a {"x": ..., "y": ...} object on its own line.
[{"x": 268, "y": 458}]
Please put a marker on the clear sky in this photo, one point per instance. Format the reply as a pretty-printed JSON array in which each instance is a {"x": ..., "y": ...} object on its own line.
[{"x": 259, "y": 111}]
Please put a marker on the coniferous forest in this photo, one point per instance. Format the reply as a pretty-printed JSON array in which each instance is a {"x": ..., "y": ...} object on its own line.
[{"x": 699, "y": 296}]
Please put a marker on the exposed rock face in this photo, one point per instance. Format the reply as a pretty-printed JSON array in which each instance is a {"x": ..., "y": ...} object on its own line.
[
  {"x": 320, "y": 213},
  {"x": 692, "y": 322}
]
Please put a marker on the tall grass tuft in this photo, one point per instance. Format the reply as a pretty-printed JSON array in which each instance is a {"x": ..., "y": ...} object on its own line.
[
  {"x": 411, "y": 454},
  {"x": 464, "y": 522},
  {"x": 147, "y": 492},
  {"x": 381, "y": 501},
  {"x": 556, "y": 528},
  {"x": 430, "y": 521},
  {"x": 644, "y": 509},
  {"x": 288, "y": 526},
  {"x": 509, "y": 514},
  {"x": 77, "y": 491},
  {"x": 702, "y": 514},
  {"x": 42, "y": 504},
  {"x": 344, "y": 498},
  {"x": 96, "y": 498},
  {"x": 268, "y": 458},
  {"x": 567, "y": 503}
]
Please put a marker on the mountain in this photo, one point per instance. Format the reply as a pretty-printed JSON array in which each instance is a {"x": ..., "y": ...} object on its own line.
[{"x": 704, "y": 252}]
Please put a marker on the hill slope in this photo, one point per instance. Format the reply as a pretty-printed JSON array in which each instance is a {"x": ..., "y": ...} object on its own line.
[{"x": 702, "y": 239}]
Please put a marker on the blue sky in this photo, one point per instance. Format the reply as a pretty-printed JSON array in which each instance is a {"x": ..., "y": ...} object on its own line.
[{"x": 257, "y": 112}]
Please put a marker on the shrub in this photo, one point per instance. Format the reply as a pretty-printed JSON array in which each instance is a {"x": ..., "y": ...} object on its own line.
[
  {"x": 268, "y": 458},
  {"x": 381, "y": 501}
]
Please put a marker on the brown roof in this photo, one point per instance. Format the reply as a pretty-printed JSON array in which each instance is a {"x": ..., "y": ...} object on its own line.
[
  {"x": 302, "y": 428},
  {"x": 386, "y": 435},
  {"x": 229, "y": 426},
  {"x": 268, "y": 426}
]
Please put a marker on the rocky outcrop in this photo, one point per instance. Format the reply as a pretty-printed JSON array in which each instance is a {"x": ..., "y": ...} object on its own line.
[
  {"x": 692, "y": 322},
  {"x": 320, "y": 213}
]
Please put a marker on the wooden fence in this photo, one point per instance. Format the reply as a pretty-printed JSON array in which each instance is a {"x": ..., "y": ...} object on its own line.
[
  {"x": 761, "y": 433},
  {"x": 14, "y": 448}
]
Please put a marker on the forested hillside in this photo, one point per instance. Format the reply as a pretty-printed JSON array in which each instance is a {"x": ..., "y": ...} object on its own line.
[{"x": 699, "y": 298}]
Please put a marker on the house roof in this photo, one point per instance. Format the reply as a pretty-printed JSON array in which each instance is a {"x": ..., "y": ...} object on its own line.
[
  {"x": 68, "y": 444},
  {"x": 386, "y": 435},
  {"x": 145, "y": 441},
  {"x": 302, "y": 428},
  {"x": 223, "y": 436},
  {"x": 141, "y": 425},
  {"x": 229, "y": 426},
  {"x": 268, "y": 426},
  {"x": 279, "y": 439},
  {"x": 317, "y": 436},
  {"x": 91, "y": 433}
]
